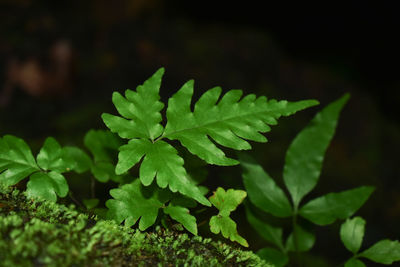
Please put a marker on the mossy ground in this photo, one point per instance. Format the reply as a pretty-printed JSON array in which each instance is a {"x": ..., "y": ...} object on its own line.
[{"x": 35, "y": 233}]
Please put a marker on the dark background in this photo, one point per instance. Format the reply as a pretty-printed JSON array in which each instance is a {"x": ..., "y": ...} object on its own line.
[{"x": 60, "y": 63}]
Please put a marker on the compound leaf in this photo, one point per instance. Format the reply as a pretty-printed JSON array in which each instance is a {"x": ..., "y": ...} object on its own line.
[
  {"x": 140, "y": 109},
  {"x": 274, "y": 256},
  {"x": 326, "y": 209},
  {"x": 305, "y": 155},
  {"x": 16, "y": 160},
  {"x": 305, "y": 239},
  {"x": 47, "y": 185},
  {"x": 228, "y": 122},
  {"x": 385, "y": 252},
  {"x": 226, "y": 202},
  {"x": 266, "y": 231},
  {"x": 263, "y": 192},
  {"x": 134, "y": 201},
  {"x": 162, "y": 162},
  {"x": 352, "y": 233},
  {"x": 52, "y": 157},
  {"x": 354, "y": 263}
]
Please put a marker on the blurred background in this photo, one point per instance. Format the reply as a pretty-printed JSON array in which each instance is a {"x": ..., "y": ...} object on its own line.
[{"x": 60, "y": 63}]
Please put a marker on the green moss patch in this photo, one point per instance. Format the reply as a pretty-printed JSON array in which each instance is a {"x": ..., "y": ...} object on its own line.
[{"x": 42, "y": 233}]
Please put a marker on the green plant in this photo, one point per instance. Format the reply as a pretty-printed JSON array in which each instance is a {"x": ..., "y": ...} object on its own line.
[
  {"x": 163, "y": 187},
  {"x": 303, "y": 163},
  {"x": 352, "y": 234}
]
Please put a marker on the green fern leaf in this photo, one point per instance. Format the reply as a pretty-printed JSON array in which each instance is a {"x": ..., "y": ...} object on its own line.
[
  {"x": 133, "y": 202},
  {"x": 47, "y": 185},
  {"x": 178, "y": 210},
  {"x": 228, "y": 122},
  {"x": 46, "y": 180},
  {"x": 161, "y": 161},
  {"x": 226, "y": 202},
  {"x": 16, "y": 160},
  {"x": 141, "y": 110}
]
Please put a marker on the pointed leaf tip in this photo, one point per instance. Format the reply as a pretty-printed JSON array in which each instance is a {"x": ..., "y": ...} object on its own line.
[{"x": 303, "y": 160}]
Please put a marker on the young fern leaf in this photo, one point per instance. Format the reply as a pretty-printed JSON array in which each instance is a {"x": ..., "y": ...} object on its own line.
[
  {"x": 46, "y": 179},
  {"x": 228, "y": 123},
  {"x": 226, "y": 202},
  {"x": 133, "y": 202}
]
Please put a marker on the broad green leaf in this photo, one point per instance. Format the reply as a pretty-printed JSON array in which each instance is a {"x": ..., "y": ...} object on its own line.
[
  {"x": 305, "y": 240},
  {"x": 274, "y": 256},
  {"x": 352, "y": 233},
  {"x": 228, "y": 121},
  {"x": 305, "y": 155},
  {"x": 133, "y": 201},
  {"x": 354, "y": 263},
  {"x": 81, "y": 159},
  {"x": 181, "y": 214},
  {"x": 47, "y": 185},
  {"x": 226, "y": 202},
  {"x": 160, "y": 161},
  {"x": 330, "y": 207},
  {"x": 16, "y": 160},
  {"x": 140, "y": 110},
  {"x": 385, "y": 252},
  {"x": 263, "y": 192},
  {"x": 266, "y": 231},
  {"x": 53, "y": 157}
]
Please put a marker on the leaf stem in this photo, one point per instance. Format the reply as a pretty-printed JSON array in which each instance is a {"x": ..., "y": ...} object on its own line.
[{"x": 295, "y": 237}]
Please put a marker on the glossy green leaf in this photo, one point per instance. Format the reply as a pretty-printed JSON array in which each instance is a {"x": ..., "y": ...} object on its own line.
[
  {"x": 181, "y": 214},
  {"x": 134, "y": 201},
  {"x": 47, "y": 185},
  {"x": 385, "y": 252},
  {"x": 140, "y": 110},
  {"x": 263, "y": 192},
  {"x": 265, "y": 230},
  {"x": 16, "y": 160},
  {"x": 81, "y": 159},
  {"x": 354, "y": 263},
  {"x": 305, "y": 155},
  {"x": 352, "y": 233},
  {"x": 326, "y": 209},
  {"x": 274, "y": 256},
  {"x": 226, "y": 202},
  {"x": 160, "y": 161},
  {"x": 305, "y": 240},
  {"x": 228, "y": 121},
  {"x": 53, "y": 157}
]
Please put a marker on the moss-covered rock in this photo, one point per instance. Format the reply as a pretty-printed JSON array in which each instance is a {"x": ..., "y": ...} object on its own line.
[{"x": 36, "y": 233}]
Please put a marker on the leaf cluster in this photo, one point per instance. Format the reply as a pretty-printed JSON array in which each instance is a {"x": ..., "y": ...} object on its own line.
[{"x": 138, "y": 137}]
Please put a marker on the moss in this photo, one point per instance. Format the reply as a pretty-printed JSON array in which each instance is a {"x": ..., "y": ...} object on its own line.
[{"x": 36, "y": 233}]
